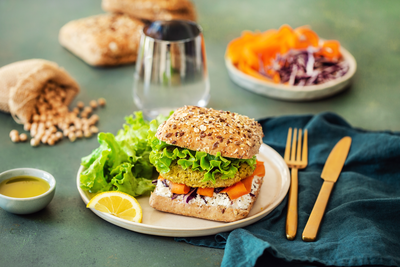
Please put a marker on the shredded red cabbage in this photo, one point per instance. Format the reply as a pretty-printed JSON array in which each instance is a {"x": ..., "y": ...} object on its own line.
[
  {"x": 219, "y": 189},
  {"x": 164, "y": 183},
  {"x": 302, "y": 68},
  {"x": 189, "y": 196},
  {"x": 202, "y": 197}
]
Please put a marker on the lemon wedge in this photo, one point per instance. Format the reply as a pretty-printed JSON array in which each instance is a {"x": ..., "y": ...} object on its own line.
[{"x": 119, "y": 204}]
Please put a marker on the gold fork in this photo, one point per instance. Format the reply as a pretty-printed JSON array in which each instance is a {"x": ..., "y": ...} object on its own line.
[{"x": 295, "y": 161}]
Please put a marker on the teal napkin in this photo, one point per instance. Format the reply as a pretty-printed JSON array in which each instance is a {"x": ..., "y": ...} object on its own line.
[{"x": 361, "y": 225}]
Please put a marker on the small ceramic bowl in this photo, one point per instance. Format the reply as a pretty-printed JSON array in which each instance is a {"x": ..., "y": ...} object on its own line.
[
  {"x": 30, "y": 204},
  {"x": 293, "y": 93}
]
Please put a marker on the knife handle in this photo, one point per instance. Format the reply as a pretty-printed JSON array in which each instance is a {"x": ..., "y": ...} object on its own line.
[
  {"x": 311, "y": 230},
  {"x": 291, "y": 218}
]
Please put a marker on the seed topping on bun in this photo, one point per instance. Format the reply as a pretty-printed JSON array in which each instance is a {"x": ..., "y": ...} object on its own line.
[{"x": 212, "y": 131}]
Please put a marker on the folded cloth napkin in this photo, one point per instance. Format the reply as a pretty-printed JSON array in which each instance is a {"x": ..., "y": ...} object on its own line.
[{"x": 361, "y": 225}]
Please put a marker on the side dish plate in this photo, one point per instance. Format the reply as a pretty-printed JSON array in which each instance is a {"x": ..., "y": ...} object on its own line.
[
  {"x": 293, "y": 93},
  {"x": 274, "y": 189}
]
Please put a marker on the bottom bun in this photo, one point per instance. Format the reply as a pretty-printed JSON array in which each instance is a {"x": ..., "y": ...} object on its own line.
[{"x": 198, "y": 209}]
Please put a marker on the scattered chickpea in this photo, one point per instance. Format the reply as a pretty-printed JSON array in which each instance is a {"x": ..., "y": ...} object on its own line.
[
  {"x": 78, "y": 125},
  {"x": 93, "y": 129},
  {"x": 34, "y": 125},
  {"x": 93, "y": 104},
  {"x": 41, "y": 126},
  {"x": 35, "y": 142},
  {"x": 15, "y": 138},
  {"x": 27, "y": 126},
  {"x": 94, "y": 119},
  {"x": 88, "y": 110},
  {"x": 51, "y": 141},
  {"x": 80, "y": 105},
  {"x": 39, "y": 135},
  {"x": 33, "y": 132},
  {"x": 13, "y": 132},
  {"x": 59, "y": 135},
  {"x": 72, "y": 136},
  {"x": 87, "y": 134},
  {"x": 44, "y": 139},
  {"x": 53, "y": 120},
  {"x": 36, "y": 118},
  {"x": 85, "y": 128},
  {"x": 79, "y": 134},
  {"x": 23, "y": 137},
  {"x": 102, "y": 102},
  {"x": 84, "y": 121}
]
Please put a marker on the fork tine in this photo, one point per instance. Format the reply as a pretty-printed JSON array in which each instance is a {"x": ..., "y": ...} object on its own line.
[
  {"x": 293, "y": 157},
  {"x": 298, "y": 158},
  {"x": 287, "y": 149},
  {"x": 304, "y": 157}
]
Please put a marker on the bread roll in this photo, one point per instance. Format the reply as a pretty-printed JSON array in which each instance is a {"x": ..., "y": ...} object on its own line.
[
  {"x": 152, "y": 9},
  {"x": 103, "y": 40},
  {"x": 212, "y": 131}
]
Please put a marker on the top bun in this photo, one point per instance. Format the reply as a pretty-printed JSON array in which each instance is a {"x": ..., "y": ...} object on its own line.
[{"x": 212, "y": 131}]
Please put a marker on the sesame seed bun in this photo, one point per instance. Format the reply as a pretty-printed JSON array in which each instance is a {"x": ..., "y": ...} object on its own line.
[{"x": 212, "y": 131}]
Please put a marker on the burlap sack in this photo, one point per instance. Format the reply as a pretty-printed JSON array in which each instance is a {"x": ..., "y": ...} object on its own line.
[{"x": 22, "y": 82}]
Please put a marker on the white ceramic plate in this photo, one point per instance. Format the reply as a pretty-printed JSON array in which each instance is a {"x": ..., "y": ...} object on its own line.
[
  {"x": 274, "y": 189},
  {"x": 293, "y": 93}
]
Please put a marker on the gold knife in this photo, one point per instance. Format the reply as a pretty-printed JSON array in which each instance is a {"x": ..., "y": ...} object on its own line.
[{"x": 330, "y": 174}]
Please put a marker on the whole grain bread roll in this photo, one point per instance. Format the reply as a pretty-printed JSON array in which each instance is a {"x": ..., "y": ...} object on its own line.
[
  {"x": 212, "y": 131},
  {"x": 152, "y": 10},
  {"x": 103, "y": 40}
]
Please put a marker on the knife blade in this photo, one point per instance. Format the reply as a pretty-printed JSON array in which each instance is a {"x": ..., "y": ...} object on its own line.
[{"x": 330, "y": 174}]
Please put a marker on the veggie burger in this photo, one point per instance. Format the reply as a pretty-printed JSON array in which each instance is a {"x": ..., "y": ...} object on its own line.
[{"x": 207, "y": 163}]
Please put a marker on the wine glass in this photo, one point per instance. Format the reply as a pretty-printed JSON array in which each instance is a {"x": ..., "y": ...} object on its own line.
[{"x": 171, "y": 68}]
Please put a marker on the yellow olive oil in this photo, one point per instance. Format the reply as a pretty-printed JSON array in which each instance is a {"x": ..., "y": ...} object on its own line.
[{"x": 24, "y": 186}]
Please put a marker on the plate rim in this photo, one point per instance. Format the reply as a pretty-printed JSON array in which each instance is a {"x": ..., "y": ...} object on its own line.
[
  {"x": 189, "y": 232},
  {"x": 234, "y": 73}
]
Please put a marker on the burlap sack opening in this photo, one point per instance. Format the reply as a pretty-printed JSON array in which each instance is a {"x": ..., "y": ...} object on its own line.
[{"x": 22, "y": 82}]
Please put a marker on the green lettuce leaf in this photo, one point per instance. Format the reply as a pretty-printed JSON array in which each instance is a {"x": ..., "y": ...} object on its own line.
[
  {"x": 163, "y": 154},
  {"x": 122, "y": 162}
]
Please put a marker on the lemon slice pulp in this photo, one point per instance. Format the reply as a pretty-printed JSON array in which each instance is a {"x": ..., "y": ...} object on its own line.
[{"x": 119, "y": 204}]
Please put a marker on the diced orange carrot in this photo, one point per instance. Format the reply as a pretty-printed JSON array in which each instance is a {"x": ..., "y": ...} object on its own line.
[
  {"x": 330, "y": 49},
  {"x": 179, "y": 188},
  {"x": 286, "y": 36},
  {"x": 237, "y": 190},
  {"x": 305, "y": 37},
  {"x": 251, "y": 58},
  {"x": 247, "y": 182},
  {"x": 208, "y": 192},
  {"x": 277, "y": 78},
  {"x": 260, "y": 169}
]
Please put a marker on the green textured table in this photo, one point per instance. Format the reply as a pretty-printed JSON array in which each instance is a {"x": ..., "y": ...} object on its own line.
[{"x": 66, "y": 233}]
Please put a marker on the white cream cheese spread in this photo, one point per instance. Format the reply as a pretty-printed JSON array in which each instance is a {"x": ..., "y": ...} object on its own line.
[{"x": 219, "y": 199}]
